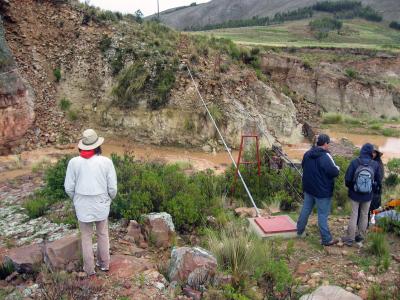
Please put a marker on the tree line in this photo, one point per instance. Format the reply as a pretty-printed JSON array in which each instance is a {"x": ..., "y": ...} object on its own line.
[{"x": 343, "y": 9}]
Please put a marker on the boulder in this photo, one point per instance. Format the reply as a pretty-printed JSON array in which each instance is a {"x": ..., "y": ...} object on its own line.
[
  {"x": 60, "y": 253},
  {"x": 25, "y": 259},
  {"x": 159, "y": 229},
  {"x": 330, "y": 292},
  {"x": 134, "y": 232},
  {"x": 195, "y": 264},
  {"x": 193, "y": 294},
  {"x": 125, "y": 266}
]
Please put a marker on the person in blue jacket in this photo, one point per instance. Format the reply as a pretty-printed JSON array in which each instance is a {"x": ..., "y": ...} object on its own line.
[
  {"x": 319, "y": 172},
  {"x": 361, "y": 200}
]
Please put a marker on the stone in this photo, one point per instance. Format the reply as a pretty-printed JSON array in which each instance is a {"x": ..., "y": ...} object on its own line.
[
  {"x": 60, "y": 253},
  {"x": 330, "y": 292},
  {"x": 303, "y": 268},
  {"x": 186, "y": 260},
  {"x": 192, "y": 294},
  {"x": 221, "y": 279},
  {"x": 134, "y": 232},
  {"x": 125, "y": 266},
  {"x": 25, "y": 259},
  {"x": 159, "y": 229}
]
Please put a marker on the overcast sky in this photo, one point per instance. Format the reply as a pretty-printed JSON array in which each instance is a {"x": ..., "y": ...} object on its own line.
[{"x": 147, "y": 7}]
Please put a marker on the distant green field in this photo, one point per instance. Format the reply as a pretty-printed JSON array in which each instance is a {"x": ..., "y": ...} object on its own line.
[{"x": 355, "y": 34}]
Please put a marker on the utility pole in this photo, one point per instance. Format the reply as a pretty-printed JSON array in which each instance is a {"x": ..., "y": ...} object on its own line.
[{"x": 158, "y": 9}]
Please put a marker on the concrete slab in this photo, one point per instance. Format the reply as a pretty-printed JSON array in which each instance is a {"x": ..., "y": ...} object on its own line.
[{"x": 274, "y": 226}]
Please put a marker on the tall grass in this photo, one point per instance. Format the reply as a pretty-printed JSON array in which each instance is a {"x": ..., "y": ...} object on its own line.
[{"x": 237, "y": 251}]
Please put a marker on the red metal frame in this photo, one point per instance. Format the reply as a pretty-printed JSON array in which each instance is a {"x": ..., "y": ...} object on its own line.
[{"x": 239, "y": 162}]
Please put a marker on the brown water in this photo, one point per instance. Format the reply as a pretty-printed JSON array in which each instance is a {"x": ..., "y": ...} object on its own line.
[
  {"x": 19, "y": 165},
  {"x": 13, "y": 166},
  {"x": 388, "y": 145}
]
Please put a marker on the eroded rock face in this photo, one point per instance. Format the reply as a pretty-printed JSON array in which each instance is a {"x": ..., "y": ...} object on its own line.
[
  {"x": 159, "y": 229},
  {"x": 242, "y": 100},
  {"x": 188, "y": 263},
  {"x": 60, "y": 253},
  {"x": 16, "y": 100},
  {"x": 327, "y": 86},
  {"x": 25, "y": 259}
]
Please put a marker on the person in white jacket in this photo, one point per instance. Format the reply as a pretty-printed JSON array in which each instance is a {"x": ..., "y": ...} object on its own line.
[{"x": 91, "y": 182}]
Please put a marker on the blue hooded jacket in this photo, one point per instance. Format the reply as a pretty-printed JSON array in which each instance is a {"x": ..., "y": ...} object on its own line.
[
  {"x": 319, "y": 172},
  {"x": 365, "y": 157}
]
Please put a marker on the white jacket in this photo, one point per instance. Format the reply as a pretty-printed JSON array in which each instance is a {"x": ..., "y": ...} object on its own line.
[{"x": 92, "y": 184}]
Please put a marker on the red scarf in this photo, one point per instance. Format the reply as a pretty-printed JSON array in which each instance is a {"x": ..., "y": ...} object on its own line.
[{"x": 87, "y": 153}]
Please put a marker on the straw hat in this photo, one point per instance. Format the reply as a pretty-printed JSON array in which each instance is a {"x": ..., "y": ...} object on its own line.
[{"x": 90, "y": 140}]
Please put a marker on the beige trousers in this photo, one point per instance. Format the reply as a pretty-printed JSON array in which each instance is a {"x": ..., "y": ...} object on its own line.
[
  {"x": 103, "y": 245},
  {"x": 361, "y": 228}
]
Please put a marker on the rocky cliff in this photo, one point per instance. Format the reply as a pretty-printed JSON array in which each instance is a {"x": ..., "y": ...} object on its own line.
[
  {"x": 357, "y": 92},
  {"x": 16, "y": 100},
  {"x": 45, "y": 36}
]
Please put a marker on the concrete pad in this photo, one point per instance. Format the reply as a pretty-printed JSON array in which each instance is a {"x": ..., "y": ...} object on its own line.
[{"x": 274, "y": 226}]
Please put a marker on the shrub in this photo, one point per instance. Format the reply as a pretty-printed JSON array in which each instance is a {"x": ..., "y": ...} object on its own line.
[
  {"x": 163, "y": 85},
  {"x": 351, "y": 73},
  {"x": 130, "y": 85},
  {"x": 65, "y": 104},
  {"x": 375, "y": 293},
  {"x": 394, "y": 165},
  {"x": 216, "y": 113},
  {"x": 57, "y": 74},
  {"x": 145, "y": 187},
  {"x": 189, "y": 125},
  {"x": 322, "y": 26},
  {"x": 394, "y": 25},
  {"x": 378, "y": 245},
  {"x": 54, "y": 178},
  {"x": 332, "y": 118},
  {"x": 6, "y": 268},
  {"x": 117, "y": 62},
  {"x": 235, "y": 250},
  {"x": 36, "y": 207},
  {"x": 392, "y": 180},
  {"x": 105, "y": 43},
  {"x": 72, "y": 115},
  {"x": 275, "y": 279}
]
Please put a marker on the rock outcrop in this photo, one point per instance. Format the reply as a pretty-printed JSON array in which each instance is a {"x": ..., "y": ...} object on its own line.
[
  {"x": 159, "y": 229},
  {"x": 60, "y": 253},
  {"x": 193, "y": 266},
  {"x": 25, "y": 259},
  {"x": 16, "y": 100},
  {"x": 330, "y": 88},
  {"x": 330, "y": 292}
]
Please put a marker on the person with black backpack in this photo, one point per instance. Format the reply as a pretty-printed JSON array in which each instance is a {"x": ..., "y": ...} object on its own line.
[{"x": 362, "y": 178}]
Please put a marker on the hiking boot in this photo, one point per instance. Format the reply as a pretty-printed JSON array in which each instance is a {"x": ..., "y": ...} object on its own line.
[
  {"x": 331, "y": 243},
  {"x": 358, "y": 238}
]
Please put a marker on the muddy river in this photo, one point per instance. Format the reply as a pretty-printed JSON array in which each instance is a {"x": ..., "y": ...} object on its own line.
[
  {"x": 13, "y": 166},
  {"x": 388, "y": 145}
]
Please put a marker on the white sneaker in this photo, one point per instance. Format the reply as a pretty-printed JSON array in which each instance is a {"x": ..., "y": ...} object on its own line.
[{"x": 101, "y": 268}]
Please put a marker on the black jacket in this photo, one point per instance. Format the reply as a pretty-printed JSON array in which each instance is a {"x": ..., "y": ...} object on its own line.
[
  {"x": 319, "y": 171},
  {"x": 365, "y": 157}
]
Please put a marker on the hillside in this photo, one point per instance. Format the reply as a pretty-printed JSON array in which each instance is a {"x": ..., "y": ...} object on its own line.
[
  {"x": 354, "y": 34},
  {"x": 92, "y": 68},
  {"x": 219, "y": 11}
]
